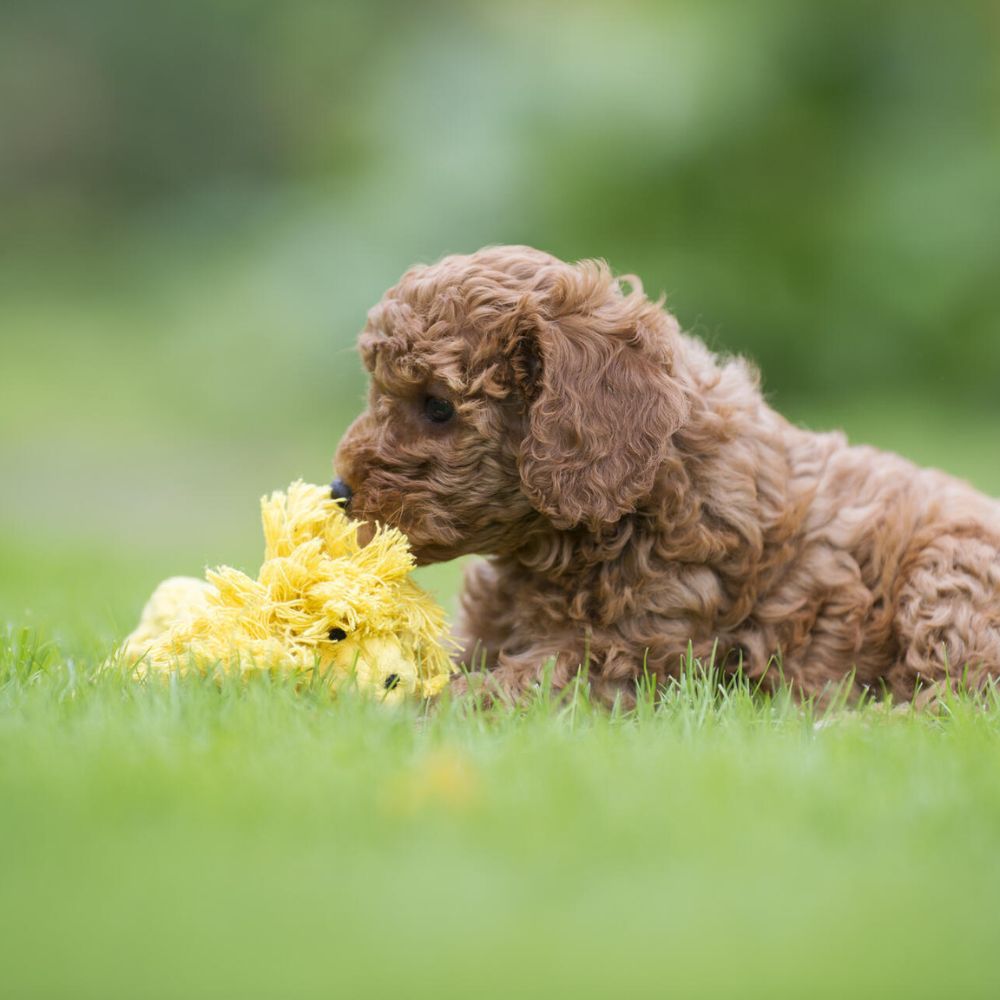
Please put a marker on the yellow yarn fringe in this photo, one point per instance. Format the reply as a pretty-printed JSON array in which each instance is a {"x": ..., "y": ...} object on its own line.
[{"x": 320, "y": 603}]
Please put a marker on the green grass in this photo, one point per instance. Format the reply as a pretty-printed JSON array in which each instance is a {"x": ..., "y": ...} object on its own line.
[
  {"x": 187, "y": 839},
  {"x": 250, "y": 841}
]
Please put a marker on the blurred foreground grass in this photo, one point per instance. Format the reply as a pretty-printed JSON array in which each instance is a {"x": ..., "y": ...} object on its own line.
[{"x": 186, "y": 839}]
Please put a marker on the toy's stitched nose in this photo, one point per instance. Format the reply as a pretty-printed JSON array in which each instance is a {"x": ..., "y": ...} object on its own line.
[{"x": 339, "y": 490}]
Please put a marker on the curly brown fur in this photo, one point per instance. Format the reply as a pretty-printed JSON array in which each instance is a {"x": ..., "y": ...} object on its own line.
[{"x": 635, "y": 493}]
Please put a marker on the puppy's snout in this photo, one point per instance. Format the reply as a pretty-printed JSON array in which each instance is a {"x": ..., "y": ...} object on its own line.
[{"x": 339, "y": 490}]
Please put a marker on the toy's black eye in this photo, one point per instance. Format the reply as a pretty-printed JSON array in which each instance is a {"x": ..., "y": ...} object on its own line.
[
  {"x": 391, "y": 681},
  {"x": 336, "y": 634},
  {"x": 438, "y": 410}
]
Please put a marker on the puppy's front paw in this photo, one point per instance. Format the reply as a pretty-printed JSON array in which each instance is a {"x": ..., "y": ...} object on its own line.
[{"x": 480, "y": 688}]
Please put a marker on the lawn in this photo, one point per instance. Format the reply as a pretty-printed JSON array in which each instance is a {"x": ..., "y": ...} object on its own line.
[
  {"x": 254, "y": 841},
  {"x": 199, "y": 202},
  {"x": 186, "y": 840}
]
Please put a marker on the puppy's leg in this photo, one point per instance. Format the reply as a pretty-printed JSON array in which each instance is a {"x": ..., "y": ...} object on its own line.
[
  {"x": 485, "y": 621},
  {"x": 948, "y": 614},
  {"x": 500, "y": 647},
  {"x": 516, "y": 673}
]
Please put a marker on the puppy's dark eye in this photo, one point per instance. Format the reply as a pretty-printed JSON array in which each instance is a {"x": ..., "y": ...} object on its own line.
[
  {"x": 390, "y": 682},
  {"x": 337, "y": 635},
  {"x": 438, "y": 410}
]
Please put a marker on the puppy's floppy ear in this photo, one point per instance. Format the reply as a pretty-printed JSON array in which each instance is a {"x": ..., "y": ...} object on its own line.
[{"x": 597, "y": 369}]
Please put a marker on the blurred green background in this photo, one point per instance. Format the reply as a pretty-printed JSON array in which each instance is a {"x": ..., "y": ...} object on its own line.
[{"x": 200, "y": 199}]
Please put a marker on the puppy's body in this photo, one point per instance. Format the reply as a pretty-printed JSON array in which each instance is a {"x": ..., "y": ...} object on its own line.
[{"x": 634, "y": 495}]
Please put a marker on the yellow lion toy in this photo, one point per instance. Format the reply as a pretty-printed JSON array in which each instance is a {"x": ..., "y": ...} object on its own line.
[{"x": 320, "y": 603}]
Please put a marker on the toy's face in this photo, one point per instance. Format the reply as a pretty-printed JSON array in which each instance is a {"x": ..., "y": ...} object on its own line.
[
  {"x": 377, "y": 665},
  {"x": 436, "y": 451},
  {"x": 353, "y": 608}
]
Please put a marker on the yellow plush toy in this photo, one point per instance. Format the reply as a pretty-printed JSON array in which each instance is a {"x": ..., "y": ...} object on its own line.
[{"x": 321, "y": 602}]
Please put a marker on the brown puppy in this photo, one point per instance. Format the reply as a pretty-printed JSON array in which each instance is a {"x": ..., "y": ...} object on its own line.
[{"x": 633, "y": 493}]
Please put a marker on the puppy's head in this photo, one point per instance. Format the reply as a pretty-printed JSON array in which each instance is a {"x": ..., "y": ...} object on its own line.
[{"x": 509, "y": 389}]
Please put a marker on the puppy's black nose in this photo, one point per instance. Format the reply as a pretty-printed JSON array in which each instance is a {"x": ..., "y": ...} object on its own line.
[{"x": 339, "y": 490}]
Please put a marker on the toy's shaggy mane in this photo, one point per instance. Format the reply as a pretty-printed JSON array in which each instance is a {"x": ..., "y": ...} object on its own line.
[{"x": 321, "y": 602}]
